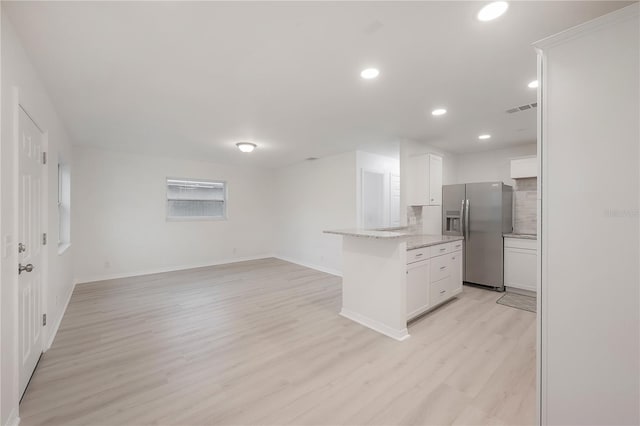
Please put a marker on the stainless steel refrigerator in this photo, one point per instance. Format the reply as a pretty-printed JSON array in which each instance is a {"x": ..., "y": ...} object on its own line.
[{"x": 481, "y": 212}]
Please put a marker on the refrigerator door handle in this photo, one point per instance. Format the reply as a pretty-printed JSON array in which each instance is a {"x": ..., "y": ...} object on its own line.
[
  {"x": 466, "y": 220},
  {"x": 462, "y": 230}
]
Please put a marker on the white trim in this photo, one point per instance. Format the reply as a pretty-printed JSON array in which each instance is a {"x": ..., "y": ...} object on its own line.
[
  {"x": 399, "y": 335},
  {"x": 97, "y": 278},
  {"x": 324, "y": 269},
  {"x": 63, "y": 248},
  {"x": 51, "y": 335},
  {"x": 590, "y": 26},
  {"x": 13, "y": 419},
  {"x": 542, "y": 261}
]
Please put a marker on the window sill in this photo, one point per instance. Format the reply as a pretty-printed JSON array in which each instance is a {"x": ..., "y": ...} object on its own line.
[{"x": 62, "y": 248}]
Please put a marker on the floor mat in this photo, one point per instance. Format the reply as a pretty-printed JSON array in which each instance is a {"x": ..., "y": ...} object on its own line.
[{"x": 518, "y": 301}]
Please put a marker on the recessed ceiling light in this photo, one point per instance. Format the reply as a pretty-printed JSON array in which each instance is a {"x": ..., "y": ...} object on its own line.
[
  {"x": 370, "y": 73},
  {"x": 533, "y": 84},
  {"x": 492, "y": 11},
  {"x": 439, "y": 111},
  {"x": 246, "y": 146},
  {"x": 484, "y": 137}
]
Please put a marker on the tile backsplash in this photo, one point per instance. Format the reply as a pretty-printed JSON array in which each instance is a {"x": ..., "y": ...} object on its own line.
[
  {"x": 414, "y": 218},
  {"x": 524, "y": 206},
  {"x": 425, "y": 219}
]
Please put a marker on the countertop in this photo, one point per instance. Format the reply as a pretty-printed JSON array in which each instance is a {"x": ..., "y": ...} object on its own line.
[
  {"x": 372, "y": 233},
  {"x": 521, "y": 236},
  {"x": 414, "y": 240},
  {"x": 419, "y": 241}
]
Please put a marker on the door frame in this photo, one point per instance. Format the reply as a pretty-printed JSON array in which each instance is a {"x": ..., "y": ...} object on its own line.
[{"x": 18, "y": 105}]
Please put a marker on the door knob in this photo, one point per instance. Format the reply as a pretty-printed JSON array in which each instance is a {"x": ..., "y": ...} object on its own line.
[{"x": 26, "y": 268}]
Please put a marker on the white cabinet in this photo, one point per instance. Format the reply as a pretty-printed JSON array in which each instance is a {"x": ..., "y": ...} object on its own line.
[
  {"x": 417, "y": 288},
  {"x": 435, "y": 180},
  {"x": 524, "y": 167},
  {"x": 520, "y": 263},
  {"x": 456, "y": 270},
  {"x": 424, "y": 183},
  {"x": 434, "y": 280}
]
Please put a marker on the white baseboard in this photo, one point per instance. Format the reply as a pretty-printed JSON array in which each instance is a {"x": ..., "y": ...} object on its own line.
[
  {"x": 310, "y": 265},
  {"x": 402, "y": 334},
  {"x": 96, "y": 278},
  {"x": 54, "y": 330},
  {"x": 13, "y": 419}
]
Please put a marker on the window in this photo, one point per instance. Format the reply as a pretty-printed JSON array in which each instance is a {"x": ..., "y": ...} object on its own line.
[
  {"x": 196, "y": 199},
  {"x": 64, "y": 207}
]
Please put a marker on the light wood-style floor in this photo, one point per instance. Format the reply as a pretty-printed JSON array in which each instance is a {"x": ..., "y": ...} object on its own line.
[{"x": 261, "y": 342}]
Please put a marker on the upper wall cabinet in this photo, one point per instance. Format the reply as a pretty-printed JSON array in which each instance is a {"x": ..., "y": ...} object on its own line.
[
  {"x": 524, "y": 168},
  {"x": 424, "y": 183}
]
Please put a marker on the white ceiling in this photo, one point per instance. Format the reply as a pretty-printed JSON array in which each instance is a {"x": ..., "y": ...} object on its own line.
[{"x": 193, "y": 78}]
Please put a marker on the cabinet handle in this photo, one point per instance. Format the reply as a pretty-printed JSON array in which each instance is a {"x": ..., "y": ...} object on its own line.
[
  {"x": 443, "y": 291},
  {"x": 419, "y": 254},
  {"x": 442, "y": 268},
  {"x": 443, "y": 249}
]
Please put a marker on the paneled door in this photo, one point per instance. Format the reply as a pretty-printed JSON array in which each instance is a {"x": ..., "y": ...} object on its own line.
[{"x": 30, "y": 246}]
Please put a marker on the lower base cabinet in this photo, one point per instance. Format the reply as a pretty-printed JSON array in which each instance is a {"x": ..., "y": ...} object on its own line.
[
  {"x": 433, "y": 281},
  {"x": 520, "y": 263},
  {"x": 417, "y": 291}
]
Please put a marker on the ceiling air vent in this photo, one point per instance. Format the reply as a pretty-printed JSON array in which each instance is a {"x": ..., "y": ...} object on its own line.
[{"x": 522, "y": 108}]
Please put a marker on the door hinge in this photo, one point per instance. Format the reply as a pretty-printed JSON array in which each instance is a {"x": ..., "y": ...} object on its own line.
[
  {"x": 44, "y": 158},
  {"x": 44, "y": 239},
  {"x": 44, "y": 319}
]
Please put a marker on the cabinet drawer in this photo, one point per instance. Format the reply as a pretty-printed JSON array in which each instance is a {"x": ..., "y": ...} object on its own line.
[
  {"x": 456, "y": 245},
  {"x": 417, "y": 254},
  {"x": 441, "y": 249},
  {"x": 520, "y": 243},
  {"x": 440, "y": 291},
  {"x": 440, "y": 268}
]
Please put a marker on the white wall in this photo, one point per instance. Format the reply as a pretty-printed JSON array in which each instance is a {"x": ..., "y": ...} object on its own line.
[
  {"x": 17, "y": 72},
  {"x": 491, "y": 166},
  {"x": 119, "y": 215},
  {"x": 590, "y": 273},
  {"x": 431, "y": 215},
  {"x": 314, "y": 196},
  {"x": 379, "y": 164}
]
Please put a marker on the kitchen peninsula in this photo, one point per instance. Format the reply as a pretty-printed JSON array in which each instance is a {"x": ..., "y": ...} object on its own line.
[{"x": 392, "y": 276}]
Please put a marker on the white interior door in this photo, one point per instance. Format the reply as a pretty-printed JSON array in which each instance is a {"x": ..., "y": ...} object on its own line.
[
  {"x": 373, "y": 199},
  {"x": 30, "y": 256}
]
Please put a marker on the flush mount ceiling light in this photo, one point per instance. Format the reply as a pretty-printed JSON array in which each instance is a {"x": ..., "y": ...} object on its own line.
[
  {"x": 484, "y": 137},
  {"x": 370, "y": 73},
  {"x": 492, "y": 11},
  {"x": 246, "y": 146},
  {"x": 533, "y": 84},
  {"x": 439, "y": 111}
]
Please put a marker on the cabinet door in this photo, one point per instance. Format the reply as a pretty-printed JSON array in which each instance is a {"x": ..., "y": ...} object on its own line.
[
  {"x": 456, "y": 271},
  {"x": 418, "y": 180},
  {"x": 520, "y": 268},
  {"x": 417, "y": 288},
  {"x": 435, "y": 180},
  {"x": 524, "y": 168}
]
